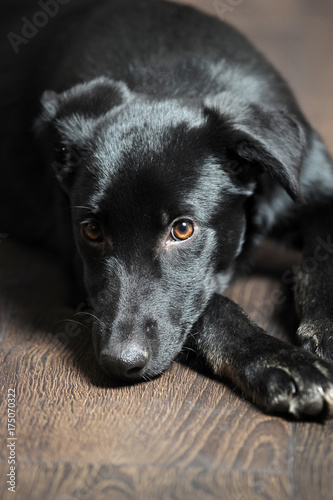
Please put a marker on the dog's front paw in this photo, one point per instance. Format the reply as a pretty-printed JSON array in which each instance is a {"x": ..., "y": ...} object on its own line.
[
  {"x": 317, "y": 337},
  {"x": 303, "y": 389}
]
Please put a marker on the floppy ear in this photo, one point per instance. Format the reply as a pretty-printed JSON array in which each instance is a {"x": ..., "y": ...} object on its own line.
[
  {"x": 70, "y": 117},
  {"x": 269, "y": 138}
]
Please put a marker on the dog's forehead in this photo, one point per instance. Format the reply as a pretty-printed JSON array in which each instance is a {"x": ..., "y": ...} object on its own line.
[
  {"x": 154, "y": 157},
  {"x": 155, "y": 144},
  {"x": 144, "y": 124}
]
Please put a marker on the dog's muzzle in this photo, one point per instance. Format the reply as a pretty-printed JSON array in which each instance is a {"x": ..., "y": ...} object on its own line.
[{"x": 126, "y": 360}]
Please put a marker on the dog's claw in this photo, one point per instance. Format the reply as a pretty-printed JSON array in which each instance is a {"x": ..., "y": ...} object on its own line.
[
  {"x": 304, "y": 390},
  {"x": 317, "y": 337}
]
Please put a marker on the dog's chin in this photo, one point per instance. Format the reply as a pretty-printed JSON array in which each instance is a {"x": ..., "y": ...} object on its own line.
[
  {"x": 136, "y": 376},
  {"x": 145, "y": 376}
]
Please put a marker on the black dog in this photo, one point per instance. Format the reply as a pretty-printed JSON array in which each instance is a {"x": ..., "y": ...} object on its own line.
[{"x": 178, "y": 149}]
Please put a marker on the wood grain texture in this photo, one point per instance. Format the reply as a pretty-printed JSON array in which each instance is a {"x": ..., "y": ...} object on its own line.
[
  {"x": 182, "y": 435},
  {"x": 312, "y": 461}
]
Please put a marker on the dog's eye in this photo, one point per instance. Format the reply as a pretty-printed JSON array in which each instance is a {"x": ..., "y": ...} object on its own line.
[
  {"x": 182, "y": 230},
  {"x": 92, "y": 231}
]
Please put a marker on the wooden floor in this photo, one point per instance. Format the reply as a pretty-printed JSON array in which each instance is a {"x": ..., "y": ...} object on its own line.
[{"x": 182, "y": 436}]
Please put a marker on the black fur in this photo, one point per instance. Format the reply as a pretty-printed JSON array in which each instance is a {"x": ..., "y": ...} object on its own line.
[{"x": 127, "y": 118}]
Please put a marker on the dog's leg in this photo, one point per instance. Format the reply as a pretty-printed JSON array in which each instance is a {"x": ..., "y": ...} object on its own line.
[
  {"x": 314, "y": 285},
  {"x": 314, "y": 276},
  {"x": 277, "y": 376}
]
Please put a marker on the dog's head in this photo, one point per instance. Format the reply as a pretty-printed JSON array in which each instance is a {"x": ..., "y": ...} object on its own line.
[{"x": 159, "y": 189}]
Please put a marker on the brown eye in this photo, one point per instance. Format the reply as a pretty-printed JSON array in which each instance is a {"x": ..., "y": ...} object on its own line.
[
  {"x": 92, "y": 231},
  {"x": 182, "y": 230}
]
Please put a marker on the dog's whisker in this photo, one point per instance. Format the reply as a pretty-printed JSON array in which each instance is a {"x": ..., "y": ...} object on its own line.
[
  {"x": 104, "y": 260},
  {"x": 96, "y": 320},
  {"x": 81, "y": 206},
  {"x": 89, "y": 314},
  {"x": 73, "y": 321},
  {"x": 189, "y": 349}
]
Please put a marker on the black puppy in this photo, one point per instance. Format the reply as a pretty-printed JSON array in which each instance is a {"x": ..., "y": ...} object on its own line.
[{"x": 178, "y": 148}]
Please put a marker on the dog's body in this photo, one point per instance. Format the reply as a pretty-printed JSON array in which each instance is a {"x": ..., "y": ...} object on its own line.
[{"x": 178, "y": 148}]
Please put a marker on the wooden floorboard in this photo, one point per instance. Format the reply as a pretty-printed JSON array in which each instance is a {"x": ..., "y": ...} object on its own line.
[
  {"x": 183, "y": 435},
  {"x": 180, "y": 436}
]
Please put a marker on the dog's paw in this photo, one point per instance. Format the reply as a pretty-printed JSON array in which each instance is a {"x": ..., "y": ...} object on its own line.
[
  {"x": 317, "y": 337},
  {"x": 303, "y": 389}
]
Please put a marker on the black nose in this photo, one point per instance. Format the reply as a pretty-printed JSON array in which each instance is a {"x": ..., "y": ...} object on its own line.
[{"x": 125, "y": 361}]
